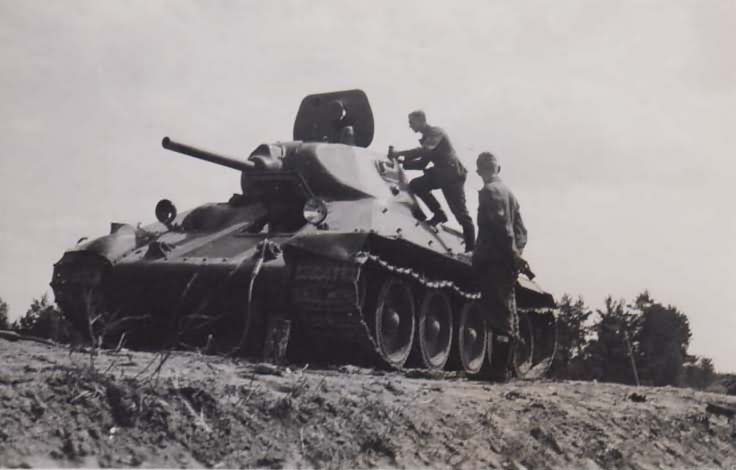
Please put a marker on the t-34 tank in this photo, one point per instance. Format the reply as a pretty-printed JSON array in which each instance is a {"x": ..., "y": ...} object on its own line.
[{"x": 322, "y": 239}]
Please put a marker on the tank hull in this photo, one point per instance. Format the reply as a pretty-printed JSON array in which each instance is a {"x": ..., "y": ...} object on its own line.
[{"x": 217, "y": 288}]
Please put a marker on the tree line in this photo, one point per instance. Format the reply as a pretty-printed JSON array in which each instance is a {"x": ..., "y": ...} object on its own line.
[
  {"x": 42, "y": 319},
  {"x": 643, "y": 342}
]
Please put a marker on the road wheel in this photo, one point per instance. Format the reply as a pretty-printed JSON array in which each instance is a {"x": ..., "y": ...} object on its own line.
[
  {"x": 434, "y": 330},
  {"x": 394, "y": 322},
  {"x": 472, "y": 338}
]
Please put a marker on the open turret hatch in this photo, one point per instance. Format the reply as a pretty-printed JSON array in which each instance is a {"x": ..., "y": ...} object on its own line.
[{"x": 335, "y": 117}]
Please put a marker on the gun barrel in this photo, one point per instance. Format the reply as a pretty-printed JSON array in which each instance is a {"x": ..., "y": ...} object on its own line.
[{"x": 234, "y": 163}]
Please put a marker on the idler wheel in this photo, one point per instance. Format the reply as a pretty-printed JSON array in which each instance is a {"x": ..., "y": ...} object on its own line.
[
  {"x": 472, "y": 338},
  {"x": 394, "y": 322},
  {"x": 434, "y": 330}
]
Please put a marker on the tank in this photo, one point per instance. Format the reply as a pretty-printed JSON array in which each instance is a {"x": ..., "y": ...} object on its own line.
[{"x": 323, "y": 238}]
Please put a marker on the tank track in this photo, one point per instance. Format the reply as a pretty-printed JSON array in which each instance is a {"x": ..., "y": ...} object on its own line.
[
  {"x": 327, "y": 298},
  {"x": 418, "y": 277},
  {"x": 333, "y": 302},
  {"x": 333, "y": 305}
]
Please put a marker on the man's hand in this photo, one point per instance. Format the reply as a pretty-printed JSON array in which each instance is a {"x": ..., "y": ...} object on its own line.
[
  {"x": 395, "y": 156},
  {"x": 521, "y": 266}
]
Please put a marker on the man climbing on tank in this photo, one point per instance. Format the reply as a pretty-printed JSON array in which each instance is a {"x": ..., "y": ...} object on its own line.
[
  {"x": 497, "y": 257},
  {"x": 446, "y": 173}
]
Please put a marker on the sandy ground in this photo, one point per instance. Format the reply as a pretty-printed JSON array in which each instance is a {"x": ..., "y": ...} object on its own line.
[{"x": 58, "y": 409}]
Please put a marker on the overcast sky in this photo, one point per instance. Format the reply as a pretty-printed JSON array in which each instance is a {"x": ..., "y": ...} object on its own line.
[{"x": 614, "y": 123}]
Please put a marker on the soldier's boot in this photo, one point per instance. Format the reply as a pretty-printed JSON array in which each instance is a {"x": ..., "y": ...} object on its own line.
[
  {"x": 469, "y": 239},
  {"x": 438, "y": 218},
  {"x": 418, "y": 213},
  {"x": 502, "y": 358}
]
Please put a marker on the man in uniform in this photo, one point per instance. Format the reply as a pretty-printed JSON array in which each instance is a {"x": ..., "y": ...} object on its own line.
[
  {"x": 497, "y": 256},
  {"x": 447, "y": 173}
]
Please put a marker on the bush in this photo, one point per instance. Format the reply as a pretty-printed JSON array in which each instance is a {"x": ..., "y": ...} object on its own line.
[
  {"x": 4, "y": 325},
  {"x": 699, "y": 373},
  {"x": 45, "y": 321},
  {"x": 572, "y": 335}
]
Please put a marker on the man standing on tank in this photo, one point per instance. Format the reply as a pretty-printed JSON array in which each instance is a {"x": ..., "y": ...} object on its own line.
[
  {"x": 497, "y": 256},
  {"x": 446, "y": 173}
]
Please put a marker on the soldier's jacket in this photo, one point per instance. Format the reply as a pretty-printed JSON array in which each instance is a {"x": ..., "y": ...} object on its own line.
[
  {"x": 501, "y": 231},
  {"x": 436, "y": 148}
]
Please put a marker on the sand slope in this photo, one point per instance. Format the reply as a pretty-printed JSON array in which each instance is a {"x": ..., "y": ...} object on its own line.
[{"x": 204, "y": 411}]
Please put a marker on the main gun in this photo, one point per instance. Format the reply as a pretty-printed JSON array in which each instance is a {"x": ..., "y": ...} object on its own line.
[{"x": 234, "y": 163}]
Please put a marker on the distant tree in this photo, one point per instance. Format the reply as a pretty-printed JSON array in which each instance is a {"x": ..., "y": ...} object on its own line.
[
  {"x": 572, "y": 334},
  {"x": 44, "y": 320},
  {"x": 662, "y": 338},
  {"x": 729, "y": 381},
  {"x": 699, "y": 373},
  {"x": 609, "y": 353},
  {"x": 4, "y": 325}
]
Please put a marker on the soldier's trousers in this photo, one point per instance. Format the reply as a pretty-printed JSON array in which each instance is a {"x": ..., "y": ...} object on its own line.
[
  {"x": 454, "y": 192},
  {"x": 498, "y": 298}
]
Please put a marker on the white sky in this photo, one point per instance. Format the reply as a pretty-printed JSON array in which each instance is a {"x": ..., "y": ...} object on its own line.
[{"x": 614, "y": 123}]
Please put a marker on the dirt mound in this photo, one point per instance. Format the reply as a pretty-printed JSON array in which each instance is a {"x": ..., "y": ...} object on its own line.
[{"x": 59, "y": 409}]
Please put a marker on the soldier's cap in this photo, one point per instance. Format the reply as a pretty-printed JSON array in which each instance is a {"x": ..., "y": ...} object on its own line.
[{"x": 487, "y": 161}]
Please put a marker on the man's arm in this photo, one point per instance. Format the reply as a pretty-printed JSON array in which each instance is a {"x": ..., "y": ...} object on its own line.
[
  {"x": 520, "y": 233},
  {"x": 414, "y": 159},
  {"x": 418, "y": 158}
]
